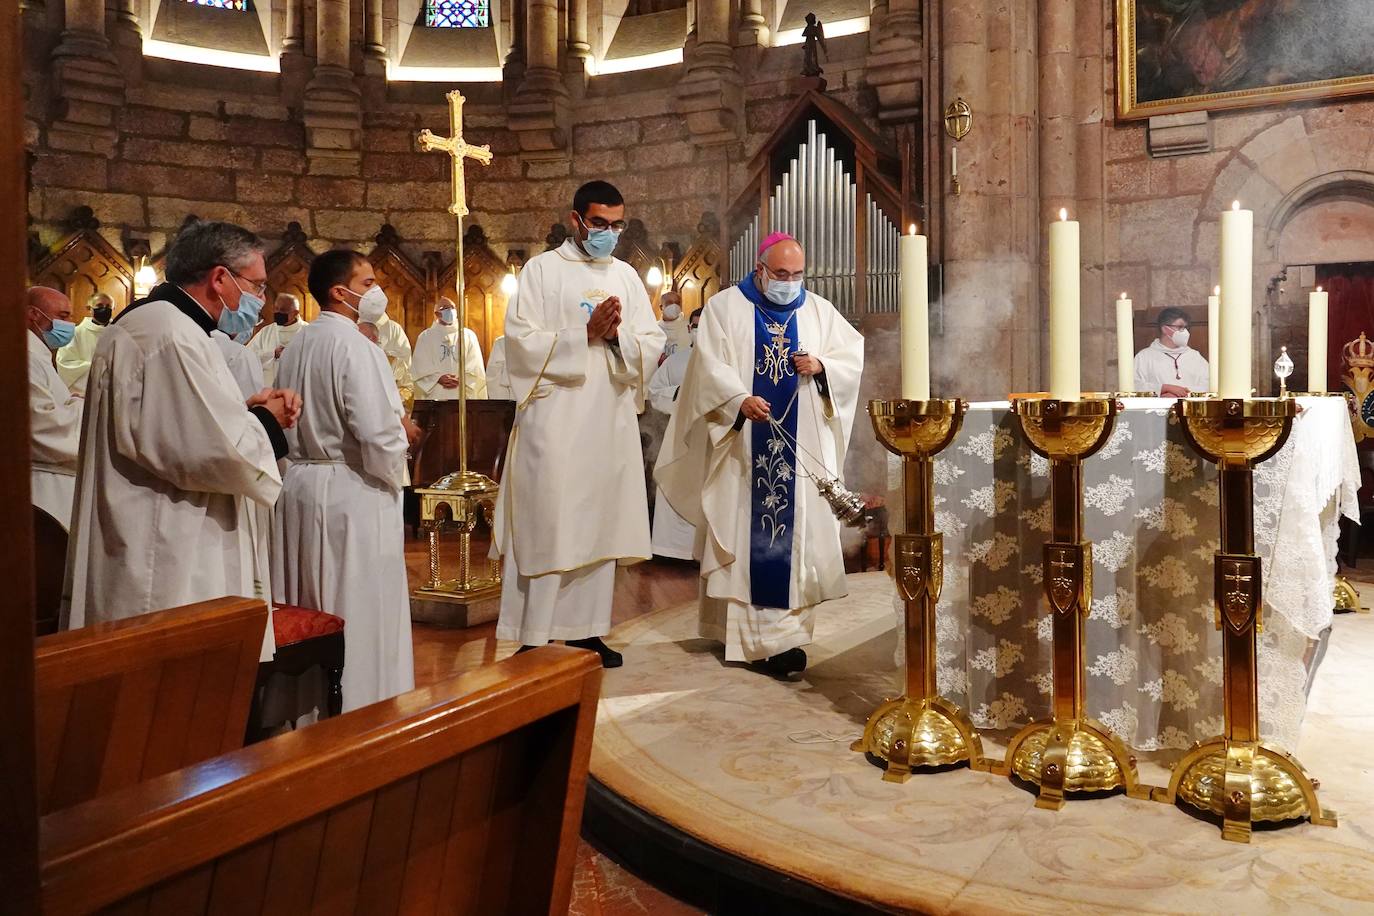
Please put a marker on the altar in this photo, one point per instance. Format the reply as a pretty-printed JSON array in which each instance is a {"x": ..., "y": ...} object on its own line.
[{"x": 1154, "y": 668}]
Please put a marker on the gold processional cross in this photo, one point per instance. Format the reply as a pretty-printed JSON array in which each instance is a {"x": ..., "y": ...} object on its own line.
[{"x": 458, "y": 149}]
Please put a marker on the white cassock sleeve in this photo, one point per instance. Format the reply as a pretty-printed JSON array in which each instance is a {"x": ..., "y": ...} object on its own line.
[
  {"x": 54, "y": 419},
  {"x": 640, "y": 342},
  {"x": 842, "y": 357},
  {"x": 538, "y": 351},
  {"x": 181, "y": 423},
  {"x": 425, "y": 366},
  {"x": 372, "y": 410}
]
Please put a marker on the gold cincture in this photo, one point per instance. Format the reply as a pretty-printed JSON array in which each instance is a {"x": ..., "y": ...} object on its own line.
[
  {"x": 1068, "y": 752},
  {"x": 1236, "y": 775},
  {"x": 460, "y": 498},
  {"x": 920, "y": 728}
]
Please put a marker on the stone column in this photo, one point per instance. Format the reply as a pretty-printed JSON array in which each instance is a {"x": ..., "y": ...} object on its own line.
[
  {"x": 374, "y": 56},
  {"x": 540, "y": 113},
  {"x": 579, "y": 48},
  {"x": 896, "y": 66},
  {"x": 753, "y": 28},
  {"x": 332, "y": 105},
  {"x": 88, "y": 86},
  {"x": 710, "y": 94},
  {"x": 1058, "y": 137},
  {"x": 374, "y": 44}
]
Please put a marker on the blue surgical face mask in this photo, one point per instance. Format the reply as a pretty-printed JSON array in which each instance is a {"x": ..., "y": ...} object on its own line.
[
  {"x": 447, "y": 316},
  {"x": 60, "y": 334},
  {"x": 239, "y": 323},
  {"x": 781, "y": 292},
  {"x": 600, "y": 243}
]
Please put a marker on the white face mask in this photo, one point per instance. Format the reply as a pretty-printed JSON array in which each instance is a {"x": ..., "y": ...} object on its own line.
[
  {"x": 371, "y": 304},
  {"x": 447, "y": 316},
  {"x": 1180, "y": 337}
]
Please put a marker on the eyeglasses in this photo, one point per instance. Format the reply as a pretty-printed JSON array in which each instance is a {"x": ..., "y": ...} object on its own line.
[
  {"x": 597, "y": 222},
  {"x": 1177, "y": 327},
  {"x": 257, "y": 289},
  {"x": 782, "y": 276}
]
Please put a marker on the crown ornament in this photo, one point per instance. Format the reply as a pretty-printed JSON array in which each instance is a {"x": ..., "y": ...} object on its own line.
[{"x": 1359, "y": 353}]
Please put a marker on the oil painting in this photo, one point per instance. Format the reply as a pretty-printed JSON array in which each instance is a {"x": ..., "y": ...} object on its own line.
[{"x": 1190, "y": 55}]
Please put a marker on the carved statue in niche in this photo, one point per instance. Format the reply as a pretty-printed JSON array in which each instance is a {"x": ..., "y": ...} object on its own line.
[{"x": 813, "y": 40}]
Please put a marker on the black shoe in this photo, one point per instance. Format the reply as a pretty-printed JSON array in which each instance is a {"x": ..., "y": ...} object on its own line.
[
  {"x": 609, "y": 657},
  {"x": 783, "y": 664}
]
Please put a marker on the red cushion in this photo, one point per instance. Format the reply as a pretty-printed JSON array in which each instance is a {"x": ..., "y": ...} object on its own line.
[{"x": 297, "y": 624}]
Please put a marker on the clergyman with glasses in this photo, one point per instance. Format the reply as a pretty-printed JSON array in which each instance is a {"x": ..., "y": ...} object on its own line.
[
  {"x": 581, "y": 343},
  {"x": 1168, "y": 365},
  {"x": 172, "y": 455},
  {"x": 766, "y": 406}
]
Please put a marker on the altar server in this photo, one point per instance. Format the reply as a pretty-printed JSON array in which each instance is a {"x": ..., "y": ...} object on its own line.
[
  {"x": 54, "y": 412},
  {"x": 673, "y": 325},
  {"x": 581, "y": 344},
  {"x": 170, "y": 453},
  {"x": 1168, "y": 365},
  {"x": 267, "y": 344},
  {"x": 338, "y": 543},
  {"x": 399, "y": 355},
  {"x": 767, "y": 349},
  {"x": 435, "y": 363},
  {"x": 673, "y": 536},
  {"x": 74, "y": 359}
]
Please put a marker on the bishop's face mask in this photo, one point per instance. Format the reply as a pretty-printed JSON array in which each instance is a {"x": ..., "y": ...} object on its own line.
[{"x": 448, "y": 316}]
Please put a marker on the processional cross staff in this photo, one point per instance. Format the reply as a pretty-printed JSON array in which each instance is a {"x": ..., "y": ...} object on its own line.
[{"x": 458, "y": 150}]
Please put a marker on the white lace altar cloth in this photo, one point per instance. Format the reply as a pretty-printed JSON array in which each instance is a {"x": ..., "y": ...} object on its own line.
[{"x": 1152, "y": 650}]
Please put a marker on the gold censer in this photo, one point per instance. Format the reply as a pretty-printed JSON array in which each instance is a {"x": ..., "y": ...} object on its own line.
[
  {"x": 1236, "y": 775},
  {"x": 920, "y": 728},
  {"x": 1068, "y": 752}
]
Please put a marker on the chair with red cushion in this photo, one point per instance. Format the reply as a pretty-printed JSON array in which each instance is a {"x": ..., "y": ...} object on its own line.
[{"x": 306, "y": 639}]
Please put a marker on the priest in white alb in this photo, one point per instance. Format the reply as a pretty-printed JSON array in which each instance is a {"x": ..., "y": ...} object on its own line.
[
  {"x": 267, "y": 345},
  {"x": 498, "y": 379},
  {"x": 74, "y": 359},
  {"x": 434, "y": 365},
  {"x": 338, "y": 543},
  {"x": 54, "y": 412},
  {"x": 1168, "y": 366},
  {"x": 172, "y": 452},
  {"x": 391, "y": 337},
  {"x": 673, "y": 536},
  {"x": 774, "y": 374},
  {"x": 581, "y": 344}
]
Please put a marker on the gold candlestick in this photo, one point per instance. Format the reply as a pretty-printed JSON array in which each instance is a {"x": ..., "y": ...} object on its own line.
[
  {"x": 919, "y": 728},
  {"x": 1236, "y": 775},
  {"x": 1068, "y": 752}
]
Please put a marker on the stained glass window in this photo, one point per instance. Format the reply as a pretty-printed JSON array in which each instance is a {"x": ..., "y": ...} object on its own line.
[
  {"x": 457, "y": 14},
  {"x": 237, "y": 5}
]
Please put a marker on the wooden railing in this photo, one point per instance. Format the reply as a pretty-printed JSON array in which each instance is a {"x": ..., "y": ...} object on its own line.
[{"x": 463, "y": 797}]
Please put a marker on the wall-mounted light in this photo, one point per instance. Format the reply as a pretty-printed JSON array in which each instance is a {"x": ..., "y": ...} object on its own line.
[
  {"x": 654, "y": 278},
  {"x": 145, "y": 278},
  {"x": 509, "y": 284}
]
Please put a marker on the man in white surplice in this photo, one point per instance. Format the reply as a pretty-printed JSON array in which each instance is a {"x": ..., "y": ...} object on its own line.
[
  {"x": 773, "y": 354},
  {"x": 267, "y": 345},
  {"x": 498, "y": 379},
  {"x": 54, "y": 412},
  {"x": 338, "y": 543},
  {"x": 673, "y": 536},
  {"x": 581, "y": 343},
  {"x": 435, "y": 363},
  {"x": 171, "y": 455},
  {"x": 74, "y": 359}
]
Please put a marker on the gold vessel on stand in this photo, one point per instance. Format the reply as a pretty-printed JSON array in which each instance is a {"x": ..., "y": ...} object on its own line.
[
  {"x": 1235, "y": 775},
  {"x": 1068, "y": 752},
  {"x": 919, "y": 728}
]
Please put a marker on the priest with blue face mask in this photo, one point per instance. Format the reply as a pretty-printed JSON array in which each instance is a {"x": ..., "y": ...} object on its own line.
[
  {"x": 54, "y": 412},
  {"x": 173, "y": 455},
  {"x": 767, "y": 405}
]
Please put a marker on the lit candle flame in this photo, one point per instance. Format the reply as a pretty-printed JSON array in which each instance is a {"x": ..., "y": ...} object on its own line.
[
  {"x": 1235, "y": 205},
  {"x": 912, "y": 229},
  {"x": 1123, "y": 297},
  {"x": 1216, "y": 291},
  {"x": 1063, "y": 215},
  {"x": 1319, "y": 289}
]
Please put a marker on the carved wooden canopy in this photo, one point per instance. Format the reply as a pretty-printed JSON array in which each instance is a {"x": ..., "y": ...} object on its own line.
[{"x": 83, "y": 263}]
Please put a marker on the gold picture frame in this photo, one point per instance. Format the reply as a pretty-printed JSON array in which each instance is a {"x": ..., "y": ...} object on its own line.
[{"x": 1131, "y": 107}]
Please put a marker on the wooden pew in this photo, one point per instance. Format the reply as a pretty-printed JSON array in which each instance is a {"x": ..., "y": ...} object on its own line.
[
  {"x": 126, "y": 701},
  {"x": 462, "y": 797}
]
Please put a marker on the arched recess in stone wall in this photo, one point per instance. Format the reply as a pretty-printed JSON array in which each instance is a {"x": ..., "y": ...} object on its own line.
[{"x": 1326, "y": 219}]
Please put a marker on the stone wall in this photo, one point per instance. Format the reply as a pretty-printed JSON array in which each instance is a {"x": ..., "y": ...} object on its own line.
[{"x": 223, "y": 145}]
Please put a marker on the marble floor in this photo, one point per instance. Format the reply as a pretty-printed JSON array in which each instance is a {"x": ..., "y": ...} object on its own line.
[{"x": 600, "y": 886}]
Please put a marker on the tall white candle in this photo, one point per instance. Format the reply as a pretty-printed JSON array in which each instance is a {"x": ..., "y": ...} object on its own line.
[
  {"x": 1065, "y": 384},
  {"x": 1125, "y": 345},
  {"x": 1316, "y": 341},
  {"x": 1237, "y": 269},
  {"x": 1213, "y": 339},
  {"x": 915, "y": 311}
]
